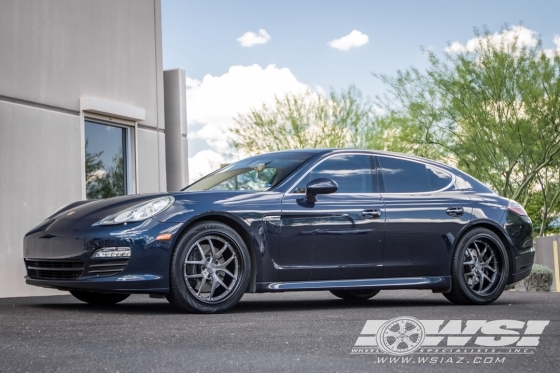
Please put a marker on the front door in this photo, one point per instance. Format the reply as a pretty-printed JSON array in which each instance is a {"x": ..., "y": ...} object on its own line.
[{"x": 340, "y": 236}]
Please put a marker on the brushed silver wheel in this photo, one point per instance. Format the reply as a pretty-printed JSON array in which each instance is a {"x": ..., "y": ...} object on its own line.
[
  {"x": 481, "y": 267},
  {"x": 211, "y": 269}
]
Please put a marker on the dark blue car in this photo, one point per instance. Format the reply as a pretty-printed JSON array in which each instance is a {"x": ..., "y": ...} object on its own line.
[{"x": 349, "y": 221}]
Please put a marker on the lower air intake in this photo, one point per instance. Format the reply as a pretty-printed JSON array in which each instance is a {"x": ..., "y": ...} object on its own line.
[
  {"x": 106, "y": 268},
  {"x": 54, "y": 269}
]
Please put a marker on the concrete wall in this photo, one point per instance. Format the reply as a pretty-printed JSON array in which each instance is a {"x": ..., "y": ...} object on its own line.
[
  {"x": 56, "y": 51},
  {"x": 176, "y": 146},
  {"x": 53, "y": 54},
  {"x": 546, "y": 254},
  {"x": 34, "y": 182}
]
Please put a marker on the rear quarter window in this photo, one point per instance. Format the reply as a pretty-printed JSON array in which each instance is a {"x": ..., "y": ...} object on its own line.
[{"x": 438, "y": 177}]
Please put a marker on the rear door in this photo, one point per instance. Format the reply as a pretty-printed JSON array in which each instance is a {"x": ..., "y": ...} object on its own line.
[{"x": 424, "y": 213}]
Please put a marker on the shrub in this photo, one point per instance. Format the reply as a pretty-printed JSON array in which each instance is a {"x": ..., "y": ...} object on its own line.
[
  {"x": 540, "y": 279},
  {"x": 512, "y": 286}
]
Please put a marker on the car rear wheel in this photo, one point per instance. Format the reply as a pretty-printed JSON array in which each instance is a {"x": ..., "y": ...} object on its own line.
[
  {"x": 355, "y": 294},
  {"x": 210, "y": 269},
  {"x": 480, "y": 268},
  {"x": 99, "y": 299}
]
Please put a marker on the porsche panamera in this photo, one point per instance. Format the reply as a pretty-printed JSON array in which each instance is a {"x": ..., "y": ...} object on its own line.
[{"x": 352, "y": 222}]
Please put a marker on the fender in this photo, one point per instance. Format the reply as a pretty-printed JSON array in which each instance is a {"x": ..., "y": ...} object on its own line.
[
  {"x": 245, "y": 230},
  {"x": 494, "y": 227}
]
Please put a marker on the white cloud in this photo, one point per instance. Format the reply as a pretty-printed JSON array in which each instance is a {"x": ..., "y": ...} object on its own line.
[
  {"x": 352, "y": 40},
  {"x": 99, "y": 174},
  {"x": 249, "y": 38},
  {"x": 214, "y": 101},
  {"x": 550, "y": 52},
  {"x": 525, "y": 37},
  {"x": 203, "y": 163}
]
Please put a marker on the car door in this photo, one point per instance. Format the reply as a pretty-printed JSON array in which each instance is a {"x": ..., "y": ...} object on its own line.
[
  {"x": 424, "y": 213},
  {"x": 341, "y": 235}
]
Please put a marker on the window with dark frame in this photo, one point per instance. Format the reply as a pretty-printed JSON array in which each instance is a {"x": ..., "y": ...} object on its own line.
[
  {"x": 352, "y": 173},
  {"x": 105, "y": 160},
  {"x": 404, "y": 176}
]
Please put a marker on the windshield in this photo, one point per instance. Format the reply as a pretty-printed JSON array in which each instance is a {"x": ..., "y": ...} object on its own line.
[{"x": 260, "y": 172}]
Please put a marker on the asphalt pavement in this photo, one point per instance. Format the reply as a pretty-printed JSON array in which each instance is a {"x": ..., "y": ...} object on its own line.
[{"x": 282, "y": 332}]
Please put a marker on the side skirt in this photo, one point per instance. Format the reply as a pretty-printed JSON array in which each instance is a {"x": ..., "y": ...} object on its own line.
[{"x": 440, "y": 283}]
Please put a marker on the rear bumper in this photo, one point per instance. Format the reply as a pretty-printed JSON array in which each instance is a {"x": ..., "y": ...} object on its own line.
[{"x": 522, "y": 266}]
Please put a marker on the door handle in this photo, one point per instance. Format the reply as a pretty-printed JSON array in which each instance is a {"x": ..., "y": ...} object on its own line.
[
  {"x": 371, "y": 214},
  {"x": 454, "y": 211}
]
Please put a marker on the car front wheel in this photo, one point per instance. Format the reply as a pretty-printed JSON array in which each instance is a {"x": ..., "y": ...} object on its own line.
[
  {"x": 480, "y": 268},
  {"x": 210, "y": 269}
]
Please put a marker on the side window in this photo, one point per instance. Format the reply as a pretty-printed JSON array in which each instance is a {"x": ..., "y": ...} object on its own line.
[
  {"x": 438, "y": 178},
  {"x": 351, "y": 172},
  {"x": 404, "y": 176}
]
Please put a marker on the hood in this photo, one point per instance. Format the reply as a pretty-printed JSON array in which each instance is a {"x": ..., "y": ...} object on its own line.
[{"x": 100, "y": 208}]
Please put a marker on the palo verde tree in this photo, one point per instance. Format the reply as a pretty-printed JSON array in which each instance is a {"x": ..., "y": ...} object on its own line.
[
  {"x": 306, "y": 120},
  {"x": 494, "y": 109}
]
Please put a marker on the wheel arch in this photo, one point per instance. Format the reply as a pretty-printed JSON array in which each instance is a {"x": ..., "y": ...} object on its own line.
[
  {"x": 240, "y": 229},
  {"x": 496, "y": 229}
]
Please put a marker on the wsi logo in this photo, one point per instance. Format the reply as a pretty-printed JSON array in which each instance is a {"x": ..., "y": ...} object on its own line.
[{"x": 406, "y": 335}]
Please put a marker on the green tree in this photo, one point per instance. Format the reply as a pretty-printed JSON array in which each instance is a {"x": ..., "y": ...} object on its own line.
[
  {"x": 112, "y": 184},
  {"x": 307, "y": 120},
  {"x": 102, "y": 181},
  {"x": 544, "y": 200},
  {"x": 493, "y": 110},
  {"x": 93, "y": 165}
]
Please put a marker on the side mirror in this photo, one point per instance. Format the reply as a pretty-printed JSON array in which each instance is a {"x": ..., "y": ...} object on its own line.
[{"x": 322, "y": 185}]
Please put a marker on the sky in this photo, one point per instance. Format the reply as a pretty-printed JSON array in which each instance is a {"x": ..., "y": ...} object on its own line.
[{"x": 239, "y": 54}]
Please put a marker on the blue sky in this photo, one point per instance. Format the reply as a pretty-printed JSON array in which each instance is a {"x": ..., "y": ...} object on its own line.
[{"x": 201, "y": 38}]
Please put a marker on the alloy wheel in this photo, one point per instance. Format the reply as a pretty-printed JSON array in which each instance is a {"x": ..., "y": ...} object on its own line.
[
  {"x": 481, "y": 267},
  {"x": 211, "y": 269}
]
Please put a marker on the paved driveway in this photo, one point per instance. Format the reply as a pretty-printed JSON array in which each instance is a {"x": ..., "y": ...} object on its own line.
[{"x": 300, "y": 332}]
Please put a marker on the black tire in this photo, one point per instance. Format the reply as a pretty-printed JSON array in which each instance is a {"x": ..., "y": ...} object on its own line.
[
  {"x": 355, "y": 294},
  {"x": 210, "y": 252},
  {"x": 479, "y": 269},
  {"x": 99, "y": 299}
]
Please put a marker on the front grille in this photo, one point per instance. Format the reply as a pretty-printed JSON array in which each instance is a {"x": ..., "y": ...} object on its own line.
[
  {"x": 106, "y": 268},
  {"x": 54, "y": 269}
]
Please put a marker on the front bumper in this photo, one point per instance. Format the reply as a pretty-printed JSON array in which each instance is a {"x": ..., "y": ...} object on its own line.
[
  {"x": 58, "y": 255},
  {"x": 125, "y": 284}
]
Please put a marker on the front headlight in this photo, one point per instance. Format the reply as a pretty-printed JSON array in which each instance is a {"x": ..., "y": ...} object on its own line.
[{"x": 139, "y": 212}]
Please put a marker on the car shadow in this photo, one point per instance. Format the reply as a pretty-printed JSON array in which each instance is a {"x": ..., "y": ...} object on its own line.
[
  {"x": 247, "y": 306},
  {"x": 122, "y": 308}
]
